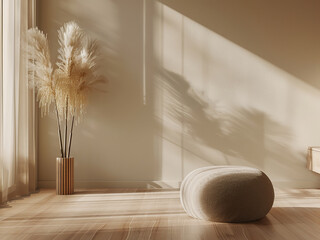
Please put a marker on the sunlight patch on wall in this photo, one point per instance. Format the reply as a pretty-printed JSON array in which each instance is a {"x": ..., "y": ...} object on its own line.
[{"x": 222, "y": 104}]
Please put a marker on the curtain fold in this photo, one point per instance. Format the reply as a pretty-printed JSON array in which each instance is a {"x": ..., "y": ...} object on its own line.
[{"x": 17, "y": 103}]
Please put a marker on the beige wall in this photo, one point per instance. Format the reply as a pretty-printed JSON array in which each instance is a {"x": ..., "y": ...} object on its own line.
[{"x": 191, "y": 84}]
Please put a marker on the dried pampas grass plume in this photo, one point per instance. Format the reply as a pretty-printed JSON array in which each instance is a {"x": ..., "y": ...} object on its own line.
[
  {"x": 69, "y": 84},
  {"x": 76, "y": 67},
  {"x": 40, "y": 69}
]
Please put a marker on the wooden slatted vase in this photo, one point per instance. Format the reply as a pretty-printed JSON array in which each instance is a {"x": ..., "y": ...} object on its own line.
[{"x": 64, "y": 176}]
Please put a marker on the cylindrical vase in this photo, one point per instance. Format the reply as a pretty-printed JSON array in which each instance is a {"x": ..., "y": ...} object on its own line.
[{"x": 64, "y": 176}]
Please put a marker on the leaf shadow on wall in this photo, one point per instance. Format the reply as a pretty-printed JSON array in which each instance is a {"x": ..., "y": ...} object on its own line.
[{"x": 242, "y": 135}]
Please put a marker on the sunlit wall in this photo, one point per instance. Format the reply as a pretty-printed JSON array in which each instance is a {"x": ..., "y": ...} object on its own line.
[{"x": 191, "y": 84}]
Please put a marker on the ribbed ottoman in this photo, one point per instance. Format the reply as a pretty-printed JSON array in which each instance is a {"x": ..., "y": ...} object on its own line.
[{"x": 227, "y": 194}]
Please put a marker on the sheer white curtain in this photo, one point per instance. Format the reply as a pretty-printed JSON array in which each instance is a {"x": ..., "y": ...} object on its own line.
[{"x": 17, "y": 103}]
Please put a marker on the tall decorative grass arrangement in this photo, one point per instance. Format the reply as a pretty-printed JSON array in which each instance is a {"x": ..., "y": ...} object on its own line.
[{"x": 66, "y": 87}]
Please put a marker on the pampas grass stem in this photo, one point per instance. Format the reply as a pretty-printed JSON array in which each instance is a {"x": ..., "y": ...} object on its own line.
[
  {"x": 70, "y": 138},
  {"x": 59, "y": 129},
  {"x": 66, "y": 131}
]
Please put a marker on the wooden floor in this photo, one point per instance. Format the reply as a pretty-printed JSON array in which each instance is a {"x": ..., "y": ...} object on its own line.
[{"x": 132, "y": 214}]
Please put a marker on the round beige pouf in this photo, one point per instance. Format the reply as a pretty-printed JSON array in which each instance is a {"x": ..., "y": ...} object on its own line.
[{"x": 227, "y": 194}]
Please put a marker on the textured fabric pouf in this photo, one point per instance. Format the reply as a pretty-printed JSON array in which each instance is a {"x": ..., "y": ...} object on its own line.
[{"x": 227, "y": 194}]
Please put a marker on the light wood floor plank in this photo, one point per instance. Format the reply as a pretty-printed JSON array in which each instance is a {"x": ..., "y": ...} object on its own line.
[{"x": 149, "y": 214}]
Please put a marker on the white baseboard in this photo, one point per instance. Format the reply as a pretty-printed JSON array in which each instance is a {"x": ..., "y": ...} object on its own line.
[
  {"x": 296, "y": 184},
  {"x": 117, "y": 184}
]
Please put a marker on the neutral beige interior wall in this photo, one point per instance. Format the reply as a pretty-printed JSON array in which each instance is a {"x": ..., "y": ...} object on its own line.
[{"x": 191, "y": 84}]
